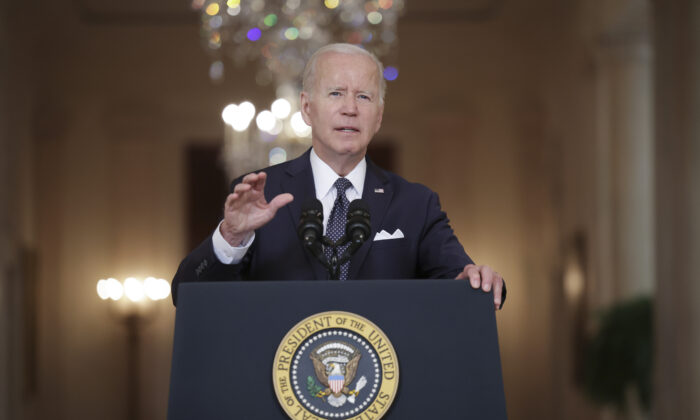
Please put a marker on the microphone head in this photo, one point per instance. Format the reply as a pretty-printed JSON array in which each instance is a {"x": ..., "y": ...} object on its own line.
[
  {"x": 310, "y": 227},
  {"x": 358, "y": 205},
  {"x": 312, "y": 204},
  {"x": 358, "y": 227}
]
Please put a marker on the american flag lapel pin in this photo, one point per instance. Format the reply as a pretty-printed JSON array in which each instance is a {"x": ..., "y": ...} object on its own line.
[{"x": 379, "y": 190}]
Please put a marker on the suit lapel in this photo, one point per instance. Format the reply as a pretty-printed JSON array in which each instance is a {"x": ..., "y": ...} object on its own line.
[
  {"x": 377, "y": 193},
  {"x": 300, "y": 183}
]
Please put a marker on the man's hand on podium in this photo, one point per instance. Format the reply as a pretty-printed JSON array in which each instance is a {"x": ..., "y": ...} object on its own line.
[{"x": 483, "y": 276}]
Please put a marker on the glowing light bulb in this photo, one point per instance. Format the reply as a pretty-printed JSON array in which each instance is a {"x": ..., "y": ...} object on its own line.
[
  {"x": 215, "y": 22},
  {"x": 212, "y": 9},
  {"x": 164, "y": 288},
  {"x": 299, "y": 126},
  {"x": 254, "y": 34},
  {"x": 391, "y": 73},
  {"x": 151, "y": 288},
  {"x": 374, "y": 18},
  {"x": 270, "y": 20},
  {"x": 291, "y": 33},
  {"x": 281, "y": 108},
  {"x": 114, "y": 289},
  {"x": 277, "y": 128},
  {"x": 156, "y": 289},
  {"x": 243, "y": 116},
  {"x": 248, "y": 110},
  {"x": 133, "y": 289},
  {"x": 277, "y": 155},
  {"x": 215, "y": 40},
  {"x": 265, "y": 121},
  {"x": 229, "y": 113},
  {"x": 216, "y": 71},
  {"x": 103, "y": 289}
]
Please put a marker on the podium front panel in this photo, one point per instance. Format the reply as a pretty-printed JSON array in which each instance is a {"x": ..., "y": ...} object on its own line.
[{"x": 443, "y": 331}]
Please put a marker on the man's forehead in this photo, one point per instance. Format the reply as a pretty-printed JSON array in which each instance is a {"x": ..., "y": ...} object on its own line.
[
  {"x": 340, "y": 55},
  {"x": 338, "y": 69}
]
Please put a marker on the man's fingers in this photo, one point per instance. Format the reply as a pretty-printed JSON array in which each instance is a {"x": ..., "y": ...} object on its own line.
[
  {"x": 482, "y": 276},
  {"x": 497, "y": 290},
  {"x": 251, "y": 178},
  {"x": 239, "y": 192},
  {"x": 280, "y": 201},
  {"x": 259, "y": 183},
  {"x": 486, "y": 278},
  {"x": 240, "y": 188},
  {"x": 249, "y": 189},
  {"x": 230, "y": 199},
  {"x": 472, "y": 272}
]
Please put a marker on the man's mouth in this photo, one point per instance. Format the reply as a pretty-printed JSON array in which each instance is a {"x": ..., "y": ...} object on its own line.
[{"x": 347, "y": 129}]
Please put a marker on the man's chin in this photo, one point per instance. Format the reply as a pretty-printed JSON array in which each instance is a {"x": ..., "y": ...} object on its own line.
[
  {"x": 351, "y": 152},
  {"x": 351, "y": 147},
  {"x": 344, "y": 149}
]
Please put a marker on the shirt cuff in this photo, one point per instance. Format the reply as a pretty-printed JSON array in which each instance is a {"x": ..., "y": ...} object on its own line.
[{"x": 226, "y": 253}]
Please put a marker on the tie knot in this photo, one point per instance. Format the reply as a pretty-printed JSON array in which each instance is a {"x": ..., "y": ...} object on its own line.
[{"x": 342, "y": 184}]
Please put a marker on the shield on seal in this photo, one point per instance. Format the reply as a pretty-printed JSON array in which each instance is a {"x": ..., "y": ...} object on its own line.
[{"x": 336, "y": 382}]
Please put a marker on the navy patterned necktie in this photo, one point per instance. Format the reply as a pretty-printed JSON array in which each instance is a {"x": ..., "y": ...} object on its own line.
[{"x": 336, "y": 223}]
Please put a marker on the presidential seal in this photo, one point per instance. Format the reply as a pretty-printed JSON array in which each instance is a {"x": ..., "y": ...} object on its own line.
[{"x": 335, "y": 365}]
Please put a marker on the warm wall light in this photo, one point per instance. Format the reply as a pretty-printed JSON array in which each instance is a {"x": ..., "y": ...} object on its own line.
[
  {"x": 156, "y": 289},
  {"x": 110, "y": 289},
  {"x": 133, "y": 303},
  {"x": 574, "y": 280},
  {"x": 133, "y": 289}
]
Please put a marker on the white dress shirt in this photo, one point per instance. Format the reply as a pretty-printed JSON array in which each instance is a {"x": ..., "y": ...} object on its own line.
[{"x": 324, "y": 178}]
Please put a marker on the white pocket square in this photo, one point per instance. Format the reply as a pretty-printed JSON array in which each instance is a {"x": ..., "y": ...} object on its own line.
[{"x": 384, "y": 235}]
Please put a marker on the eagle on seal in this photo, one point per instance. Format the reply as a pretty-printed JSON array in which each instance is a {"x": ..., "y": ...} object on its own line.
[{"x": 335, "y": 365}]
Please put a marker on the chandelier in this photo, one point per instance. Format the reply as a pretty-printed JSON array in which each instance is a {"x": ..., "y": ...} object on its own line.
[{"x": 278, "y": 37}]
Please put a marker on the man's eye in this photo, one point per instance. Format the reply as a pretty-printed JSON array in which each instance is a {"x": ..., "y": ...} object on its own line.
[
  {"x": 335, "y": 94},
  {"x": 365, "y": 97}
]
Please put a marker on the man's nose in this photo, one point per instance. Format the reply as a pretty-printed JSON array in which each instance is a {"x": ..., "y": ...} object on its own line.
[{"x": 349, "y": 106}]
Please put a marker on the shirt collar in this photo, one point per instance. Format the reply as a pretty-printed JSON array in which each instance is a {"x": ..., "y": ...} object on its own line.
[{"x": 325, "y": 176}]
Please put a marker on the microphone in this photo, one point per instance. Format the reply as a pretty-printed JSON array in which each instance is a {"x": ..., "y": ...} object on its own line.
[
  {"x": 310, "y": 231},
  {"x": 357, "y": 228},
  {"x": 310, "y": 228}
]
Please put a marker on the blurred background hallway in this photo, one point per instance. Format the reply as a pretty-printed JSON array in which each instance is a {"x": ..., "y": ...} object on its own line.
[{"x": 562, "y": 136}]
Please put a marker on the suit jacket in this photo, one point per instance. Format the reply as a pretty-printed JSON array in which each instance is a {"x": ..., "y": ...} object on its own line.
[{"x": 429, "y": 248}]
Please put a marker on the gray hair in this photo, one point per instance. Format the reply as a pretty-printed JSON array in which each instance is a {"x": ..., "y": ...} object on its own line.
[{"x": 350, "y": 49}]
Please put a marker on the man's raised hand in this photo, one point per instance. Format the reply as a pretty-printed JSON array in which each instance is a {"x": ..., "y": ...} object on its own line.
[{"x": 246, "y": 208}]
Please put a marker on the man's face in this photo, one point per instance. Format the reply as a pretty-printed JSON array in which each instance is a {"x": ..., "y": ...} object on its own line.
[{"x": 343, "y": 107}]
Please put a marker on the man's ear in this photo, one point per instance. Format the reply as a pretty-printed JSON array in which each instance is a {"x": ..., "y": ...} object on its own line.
[{"x": 306, "y": 107}]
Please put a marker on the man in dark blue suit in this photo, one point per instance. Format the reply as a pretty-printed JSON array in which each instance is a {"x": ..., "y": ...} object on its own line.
[{"x": 343, "y": 102}]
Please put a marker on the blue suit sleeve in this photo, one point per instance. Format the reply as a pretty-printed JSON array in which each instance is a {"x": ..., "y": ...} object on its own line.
[{"x": 440, "y": 253}]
